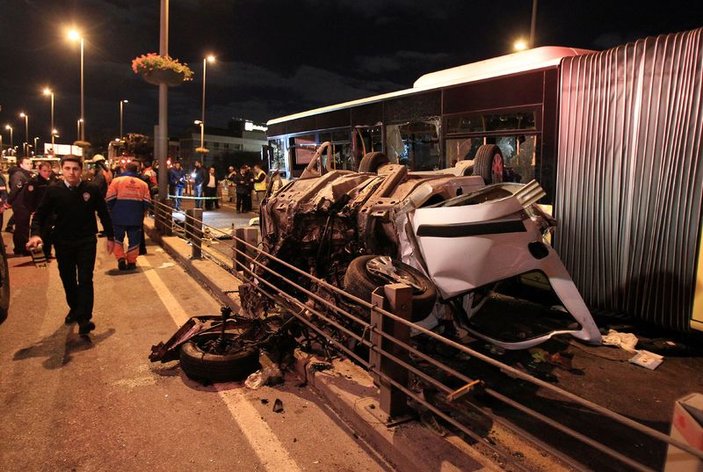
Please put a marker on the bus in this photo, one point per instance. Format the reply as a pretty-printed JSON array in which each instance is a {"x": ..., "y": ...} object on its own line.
[{"x": 614, "y": 138}]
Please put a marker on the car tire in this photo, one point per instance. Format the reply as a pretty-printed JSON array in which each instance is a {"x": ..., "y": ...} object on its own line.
[
  {"x": 359, "y": 282},
  {"x": 4, "y": 285},
  {"x": 204, "y": 366},
  {"x": 372, "y": 161},
  {"x": 489, "y": 164}
]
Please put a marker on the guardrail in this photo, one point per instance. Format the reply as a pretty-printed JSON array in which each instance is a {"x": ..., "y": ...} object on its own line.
[{"x": 383, "y": 327}]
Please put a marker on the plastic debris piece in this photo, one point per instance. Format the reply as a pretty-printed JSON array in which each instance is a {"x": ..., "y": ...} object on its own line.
[
  {"x": 255, "y": 380},
  {"x": 626, "y": 341},
  {"x": 278, "y": 406},
  {"x": 646, "y": 359}
]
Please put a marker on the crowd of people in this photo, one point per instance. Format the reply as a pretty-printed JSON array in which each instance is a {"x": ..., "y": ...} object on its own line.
[
  {"x": 241, "y": 185},
  {"x": 54, "y": 208}
]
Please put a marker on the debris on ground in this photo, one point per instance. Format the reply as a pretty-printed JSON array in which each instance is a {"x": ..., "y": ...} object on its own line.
[
  {"x": 646, "y": 359},
  {"x": 557, "y": 359},
  {"x": 626, "y": 341},
  {"x": 269, "y": 374},
  {"x": 278, "y": 406}
]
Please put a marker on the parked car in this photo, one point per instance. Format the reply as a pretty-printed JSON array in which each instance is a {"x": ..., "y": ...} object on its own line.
[{"x": 468, "y": 244}]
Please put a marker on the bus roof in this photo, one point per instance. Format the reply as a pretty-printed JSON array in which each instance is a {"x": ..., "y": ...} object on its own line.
[{"x": 532, "y": 59}]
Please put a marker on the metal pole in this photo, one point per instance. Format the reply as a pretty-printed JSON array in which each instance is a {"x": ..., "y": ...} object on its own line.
[
  {"x": 163, "y": 108},
  {"x": 26, "y": 134},
  {"x": 121, "y": 117},
  {"x": 52, "y": 121},
  {"x": 202, "y": 115},
  {"x": 82, "y": 93},
  {"x": 533, "y": 23},
  {"x": 202, "y": 134},
  {"x": 12, "y": 143}
]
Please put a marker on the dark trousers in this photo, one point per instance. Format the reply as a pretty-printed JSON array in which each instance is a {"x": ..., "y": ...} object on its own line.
[
  {"x": 211, "y": 192},
  {"x": 76, "y": 263},
  {"x": 21, "y": 234},
  {"x": 242, "y": 202}
]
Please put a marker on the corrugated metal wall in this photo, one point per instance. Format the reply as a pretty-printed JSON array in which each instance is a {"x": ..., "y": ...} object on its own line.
[{"x": 629, "y": 176}]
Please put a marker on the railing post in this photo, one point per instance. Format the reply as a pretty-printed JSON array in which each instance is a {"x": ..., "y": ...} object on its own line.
[
  {"x": 396, "y": 299},
  {"x": 164, "y": 217},
  {"x": 240, "y": 250},
  {"x": 194, "y": 231}
]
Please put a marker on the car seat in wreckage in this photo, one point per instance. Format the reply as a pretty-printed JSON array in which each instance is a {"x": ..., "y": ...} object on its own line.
[{"x": 497, "y": 239}]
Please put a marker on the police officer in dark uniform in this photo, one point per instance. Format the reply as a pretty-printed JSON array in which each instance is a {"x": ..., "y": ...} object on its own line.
[
  {"x": 20, "y": 206},
  {"x": 74, "y": 204},
  {"x": 34, "y": 193}
]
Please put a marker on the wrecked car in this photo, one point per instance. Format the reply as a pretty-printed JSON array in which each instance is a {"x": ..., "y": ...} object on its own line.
[{"x": 471, "y": 246}]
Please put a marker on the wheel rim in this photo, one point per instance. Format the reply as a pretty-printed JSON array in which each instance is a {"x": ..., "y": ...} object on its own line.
[
  {"x": 497, "y": 168},
  {"x": 385, "y": 269}
]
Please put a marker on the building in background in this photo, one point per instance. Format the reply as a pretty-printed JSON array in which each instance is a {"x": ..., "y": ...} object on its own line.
[{"x": 241, "y": 142}]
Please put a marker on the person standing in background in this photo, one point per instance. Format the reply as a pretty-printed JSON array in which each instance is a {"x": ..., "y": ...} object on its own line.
[
  {"x": 211, "y": 190},
  {"x": 199, "y": 177},
  {"x": 20, "y": 206},
  {"x": 128, "y": 198},
  {"x": 34, "y": 193},
  {"x": 259, "y": 183},
  {"x": 177, "y": 183}
]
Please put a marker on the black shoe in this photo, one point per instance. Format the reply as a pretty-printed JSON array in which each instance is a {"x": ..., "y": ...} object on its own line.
[
  {"x": 131, "y": 266},
  {"x": 86, "y": 327},
  {"x": 9, "y": 229},
  {"x": 122, "y": 264},
  {"x": 70, "y": 318},
  {"x": 142, "y": 252}
]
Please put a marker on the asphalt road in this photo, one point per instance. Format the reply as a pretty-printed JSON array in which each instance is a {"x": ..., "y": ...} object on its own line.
[{"x": 72, "y": 404}]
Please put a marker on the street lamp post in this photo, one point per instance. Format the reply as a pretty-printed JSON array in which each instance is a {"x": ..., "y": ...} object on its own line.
[
  {"x": 49, "y": 92},
  {"x": 26, "y": 132},
  {"x": 202, "y": 134},
  {"x": 36, "y": 149},
  {"x": 210, "y": 58},
  {"x": 9, "y": 128},
  {"x": 74, "y": 35},
  {"x": 79, "y": 122},
  {"x": 122, "y": 102}
]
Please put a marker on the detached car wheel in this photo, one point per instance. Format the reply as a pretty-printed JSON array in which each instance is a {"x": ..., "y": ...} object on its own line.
[
  {"x": 372, "y": 161},
  {"x": 201, "y": 360},
  {"x": 366, "y": 273},
  {"x": 489, "y": 164}
]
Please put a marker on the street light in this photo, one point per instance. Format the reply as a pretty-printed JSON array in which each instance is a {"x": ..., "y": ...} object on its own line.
[
  {"x": 79, "y": 121},
  {"x": 75, "y": 35},
  {"x": 122, "y": 102},
  {"x": 210, "y": 58},
  {"x": 36, "y": 149},
  {"x": 26, "y": 132},
  {"x": 201, "y": 149},
  {"x": 9, "y": 128},
  {"x": 49, "y": 92}
]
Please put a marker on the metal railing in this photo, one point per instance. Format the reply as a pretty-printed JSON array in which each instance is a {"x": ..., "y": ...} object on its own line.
[{"x": 383, "y": 327}]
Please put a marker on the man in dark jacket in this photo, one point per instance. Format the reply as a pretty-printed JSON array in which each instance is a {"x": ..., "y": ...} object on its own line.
[
  {"x": 74, "y": 204},
  {"x": 199, "y": 179},
  {"x": 21, "y": 210},
  {"x": 34, "y": 193},
  {"x": 176, "y": 183}
]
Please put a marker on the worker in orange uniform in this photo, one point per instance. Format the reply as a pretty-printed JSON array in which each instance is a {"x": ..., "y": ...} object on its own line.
[{"x": 128, "y": 198}]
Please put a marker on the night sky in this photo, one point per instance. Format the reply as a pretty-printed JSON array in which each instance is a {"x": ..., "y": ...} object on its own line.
[{"x": 276, "y": 57}]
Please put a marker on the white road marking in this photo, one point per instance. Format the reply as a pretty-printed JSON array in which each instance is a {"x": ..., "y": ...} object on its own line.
[{"x": 263, "y": 440}]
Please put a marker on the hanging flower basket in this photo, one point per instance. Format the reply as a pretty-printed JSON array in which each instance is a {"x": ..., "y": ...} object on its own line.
[
  {"x": 164, "y": 76},
  {"x": 156, "y": 69}
]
